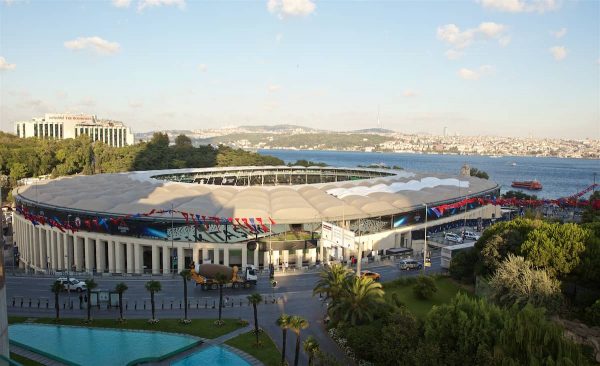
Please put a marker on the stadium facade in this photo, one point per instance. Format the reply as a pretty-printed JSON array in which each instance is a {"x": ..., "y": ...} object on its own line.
[{"x": 160, "y": 221}]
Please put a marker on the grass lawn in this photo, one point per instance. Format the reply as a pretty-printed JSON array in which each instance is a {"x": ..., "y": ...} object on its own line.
[
  {"x": 447, "y": 288},
  {"x": 267, "y": 353},
  {"x": 23, "y": 360},
  {"x": 204, "y": 328}
]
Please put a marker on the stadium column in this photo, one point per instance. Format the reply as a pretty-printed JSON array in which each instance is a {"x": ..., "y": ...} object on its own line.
[
  {"x": 166, "y": 250},
  {"x": 285, "y": 254},
  {"x": 298, "y": 258},
  {"x": 256, "y": 258},
  {"x": 180, "y": 259},
  {"x": 38, "y": 248},
  {"x": 78, "y": 252},
  {"x": 119, "y": 258},
  {"x": 60, "y": 253},
  {"x": 100, "y": 250},
  {"x": 312, "y": 254},
  {"x": 137, "y": 258},
  {"x": 226, "y": 256},
  {"x": 111, "y": 256},
  {"x": 196, "y": 255},
  {"x": 130, "y": 263},
  {"x": 89, "y": 261},
  {"x": 244, "y": 257},
  {"x": 68, "y": 254},
  {"x": 53, "y": 239},
  {"x": 276, "y": 258},
  {"x": 216, "y": 255},
  {"x": 155, "y": 259},
  {"x": 47, "y": 251},
  {"x": 266, "y": 258}
]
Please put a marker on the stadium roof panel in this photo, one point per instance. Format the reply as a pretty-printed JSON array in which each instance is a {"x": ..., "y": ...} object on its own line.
[{"x": 360, "y": 192}]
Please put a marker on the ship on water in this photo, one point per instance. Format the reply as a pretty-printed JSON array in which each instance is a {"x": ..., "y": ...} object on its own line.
[{"x": 532, "y": 185}]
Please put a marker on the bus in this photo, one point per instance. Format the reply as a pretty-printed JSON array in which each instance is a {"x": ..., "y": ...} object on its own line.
[{"x": 449, "y": 251}]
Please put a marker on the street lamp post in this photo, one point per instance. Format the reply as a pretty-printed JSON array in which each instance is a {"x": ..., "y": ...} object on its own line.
[{"x": 425, "y": 241}]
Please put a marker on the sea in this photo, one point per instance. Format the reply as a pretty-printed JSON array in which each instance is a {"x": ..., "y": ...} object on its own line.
[{"x": 560, "y": 177}]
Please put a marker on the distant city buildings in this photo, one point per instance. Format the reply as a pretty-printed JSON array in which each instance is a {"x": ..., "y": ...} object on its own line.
[{"x": 64, "y": 126}]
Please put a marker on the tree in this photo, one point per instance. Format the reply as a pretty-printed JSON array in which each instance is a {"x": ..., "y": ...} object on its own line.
[
  {"x": 18, "y": 171},
  {"x": 186, "y": 274},
  {"x": 120, "y": 288},
  {"x": 311, "y": 348},
  {"x": 331, "y": 281},
  {"x": 555, "y": 247},
  {"x": 56, "y": 288},
  {"x": 517, "y": 282},
  {"x": 399, "y": 336},
  {"x": 297, "y": 323},
  {"x": 591, "y": 212},
  {"x": 221, "y": 280},
  {"x": 357, "y": 302},
  {"x": 462, "y": 266},
  {"x": 255, "y": 299},
  {"x": 424, "y": 287},
  {"x": 153, "y": 287},
  {"x": 183, "y": 141},
  {"x": 90, "y": 284},
  {"x": 284, "y": 323},
  {"x": 479, "y": 173}
]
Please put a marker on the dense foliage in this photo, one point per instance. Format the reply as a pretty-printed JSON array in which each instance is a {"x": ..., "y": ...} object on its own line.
[
  {"x": 519, "y": 195},
  {"x": 479, "y": 173},
  {"x": 21, "y": 158},
  {"x": 424, "y": 287}
]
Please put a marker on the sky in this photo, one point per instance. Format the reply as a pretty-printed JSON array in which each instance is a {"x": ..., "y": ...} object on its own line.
[{"x": 477, "y": 67}]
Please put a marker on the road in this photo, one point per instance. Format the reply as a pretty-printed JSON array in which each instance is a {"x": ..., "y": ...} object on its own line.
[{"x": 293, "y": 290}]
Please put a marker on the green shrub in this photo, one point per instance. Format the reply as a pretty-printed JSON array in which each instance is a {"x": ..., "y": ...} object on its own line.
[
  {"x": 592, "y": 313},
  {"x": 424, "y": 287}
]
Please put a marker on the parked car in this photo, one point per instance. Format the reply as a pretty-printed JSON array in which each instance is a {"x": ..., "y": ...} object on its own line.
[
  {"x": 72, "y": 284},
  {"x": 453, "y": 237},
  {"x": 373, "y": 275},
  {"x": 408, "y": 264},
  {"x": 471, "y": 235}
]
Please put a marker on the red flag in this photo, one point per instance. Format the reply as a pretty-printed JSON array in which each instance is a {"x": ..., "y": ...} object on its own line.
[
  {"x": 272, "y": 221},
  {"x": 185, "y": 215}
]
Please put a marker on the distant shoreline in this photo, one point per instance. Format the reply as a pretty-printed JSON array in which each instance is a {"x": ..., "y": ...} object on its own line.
[{"x": 421, "y": 153}]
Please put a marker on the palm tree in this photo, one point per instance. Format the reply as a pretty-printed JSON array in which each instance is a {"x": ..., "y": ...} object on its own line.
[
  {"x": 297, "y": 323},
  {"x": 284, "y": 323},
  {"x": 331, "y": 281},
  {"x": 90, "y": 284},
  {"x": 153, "y": 287},
  {"x": 186, "y": 274},
  {"x": 56, "y": 288},
  {"x": 221, "y": 280},
  {"x": 311, "y": 347},
  {"x": 255, "y": 299},
  {"x": 120, "y": 288},
  {"x": 358, "y": 301}
]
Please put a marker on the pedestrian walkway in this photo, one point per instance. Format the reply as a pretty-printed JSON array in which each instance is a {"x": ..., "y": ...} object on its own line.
[{"x": 34, "y": 356}]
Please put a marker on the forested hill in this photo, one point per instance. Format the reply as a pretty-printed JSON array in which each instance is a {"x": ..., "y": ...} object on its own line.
[{"x": 21, "y": 158}]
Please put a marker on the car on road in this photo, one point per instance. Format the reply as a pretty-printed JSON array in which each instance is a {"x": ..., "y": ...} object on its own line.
[
  {"x": 408, "y": 264},
  {"x": 471, "y": 235},
  {"x": 72, "y": 284},
  {"x": 453, "y": 237},
  {"x": 373, "y": 275}
]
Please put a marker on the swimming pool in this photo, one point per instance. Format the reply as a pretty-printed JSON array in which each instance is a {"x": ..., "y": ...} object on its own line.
[
  {"x": 213, "y": 355},
  {"x": 96, "y": 346}
]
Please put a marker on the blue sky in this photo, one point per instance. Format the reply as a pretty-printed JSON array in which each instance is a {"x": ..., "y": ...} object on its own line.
[{"x": 494, "y": 67}]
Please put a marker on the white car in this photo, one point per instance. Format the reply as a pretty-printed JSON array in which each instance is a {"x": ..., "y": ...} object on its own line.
[
  {"x": 72, "y": 284},
  {"x": 471, "y": 235},
  {"x": 453, "y": 237}
]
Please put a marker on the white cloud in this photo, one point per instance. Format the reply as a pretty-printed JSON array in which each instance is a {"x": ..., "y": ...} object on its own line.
[
  {"x": 521, "y": 6},
  {"x": 96, "y": 44},
  {"x": 409, "y": 93},
  {"x": 558, "y": 52},
  {"x": 559, "y": 33},
  {"x": 453, "y": 54},
  {"x": 4, "y": 65},
  {"x": 11, "y": 2},
  {"x": 285, "y": 8},
  {"x": 143, "y": 4},
  {"x": 279, "y": 37},
  {"x": 459, "y": 40},
  {"x": 136, "y": 104},
  {"x": 87, "y": 102},
  {"x": 202, "y": 67},
  {"x": 272, "y": 88},
  {"x": 469, "y": 74},
  {"x": 121, "y": 3}
]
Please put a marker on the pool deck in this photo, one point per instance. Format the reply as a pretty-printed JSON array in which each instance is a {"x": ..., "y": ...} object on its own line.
[
  {"x": 34, "y": 356},
  {"x": 220, "y": 341}
]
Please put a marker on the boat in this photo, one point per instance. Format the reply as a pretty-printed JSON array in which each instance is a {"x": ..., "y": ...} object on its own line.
[{"x": 533, "y": 185}]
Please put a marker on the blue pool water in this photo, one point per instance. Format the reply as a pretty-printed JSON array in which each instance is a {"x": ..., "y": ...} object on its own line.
[
  {"x": 94, "y": 346},
  {"x": 215, "y": 355}
]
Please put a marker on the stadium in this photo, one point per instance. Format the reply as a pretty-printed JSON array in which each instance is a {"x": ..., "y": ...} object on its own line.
[{"x": 158, "y": 222}]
